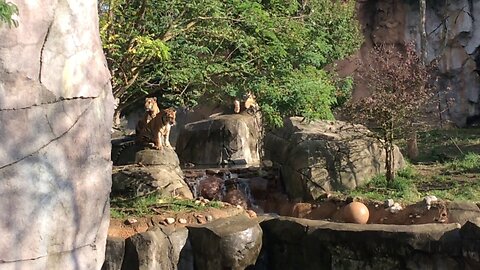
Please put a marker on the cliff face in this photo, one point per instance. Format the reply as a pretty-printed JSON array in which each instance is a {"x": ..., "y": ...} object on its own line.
[
  {"x": 453, "y": 38},
  {"x": 56, "y": 109}
]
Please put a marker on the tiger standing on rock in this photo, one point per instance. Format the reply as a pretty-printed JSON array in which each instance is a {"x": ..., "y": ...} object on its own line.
[{"x": 157, "y": 131}]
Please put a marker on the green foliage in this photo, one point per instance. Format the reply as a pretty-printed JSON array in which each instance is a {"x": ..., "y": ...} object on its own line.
[
  {"x": 469, "y": 163},
  {"x": 187, "y": 50},
  {"x": 7, "y": 11},
  {"x": 152, "y": 204},
  {"x": 399, "y": 88},
  {"x": 401, "y": 188}
]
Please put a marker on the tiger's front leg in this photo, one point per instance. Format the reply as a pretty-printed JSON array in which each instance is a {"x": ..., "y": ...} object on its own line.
[
  {"x": 158, "y": 141},
  {"x": 167, "y": 135}
]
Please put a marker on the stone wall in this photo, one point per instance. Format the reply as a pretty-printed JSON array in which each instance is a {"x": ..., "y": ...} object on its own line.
[
  {"x": 291, "y": 243},
  {"x": 56, "y": 112},
  {"x": 453, "y": 30}
]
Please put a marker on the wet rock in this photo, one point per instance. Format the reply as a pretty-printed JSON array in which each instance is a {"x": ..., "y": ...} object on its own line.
[
  {"x": 324, "y": 156},
  {"x": 258, "y": 187},
  {"x": 236, "y": 197},
  {"x": 211, "y": 187},
  {"x": 231, "y": 243}
]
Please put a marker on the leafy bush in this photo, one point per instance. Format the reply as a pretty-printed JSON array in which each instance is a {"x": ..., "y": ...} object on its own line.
[
  {"x": 224, "y": 49},
  {"x": 7, "y": 11}
]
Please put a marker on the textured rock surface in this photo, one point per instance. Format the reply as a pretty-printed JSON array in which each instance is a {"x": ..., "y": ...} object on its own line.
[
  {"x": 159, "y": 172},
  {"x": 232, "y": 243},
  {"x": 114, "y": 253},
  {"x": 453, "y": 30},
  {"x": 303, "y": 244},
  {"x": 324, "y": 155},
  {"x": 233, "y": 138},
  {"x": 55, "y": 118},
  {"x": 159, "y": 248}
]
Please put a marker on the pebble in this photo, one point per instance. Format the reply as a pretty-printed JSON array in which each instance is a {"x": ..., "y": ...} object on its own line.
[
  {"x": 182, "y": 221},
  {"x": 209, "y": 218},
  {"x": 169, "y": 220},
  {"x": 389, "y": 203},
  {"x": 131, "y": 221},
  {"x": 429, "y": 200},
  {"x": 396, "y": 207}
]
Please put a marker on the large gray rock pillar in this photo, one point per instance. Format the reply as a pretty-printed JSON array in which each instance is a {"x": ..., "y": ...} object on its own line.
[{"x": 56, "y": 112}]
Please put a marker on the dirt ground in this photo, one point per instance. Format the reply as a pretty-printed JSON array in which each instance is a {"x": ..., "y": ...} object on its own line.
[
  {"x": 330, "y": 210},
  {"x": 127, "y": 227}
]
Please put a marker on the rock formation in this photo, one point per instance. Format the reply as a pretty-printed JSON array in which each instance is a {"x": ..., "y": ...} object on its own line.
[
  {"x": 233, "y": 138},
  {"x": 56, "y": 111},
  {"x": 321, "y": 156},
  {"x": 156, "y": 171},
  {"x": 453, "y": 38}
]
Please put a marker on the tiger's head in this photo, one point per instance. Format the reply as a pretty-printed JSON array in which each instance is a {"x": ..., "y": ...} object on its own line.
[
  {"x": 169, "y": 116},
  {"x": 150, "y": 104}
]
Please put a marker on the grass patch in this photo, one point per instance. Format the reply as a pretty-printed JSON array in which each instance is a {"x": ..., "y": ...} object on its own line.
[
  {"x": 468, "y": 163},
  {"x": 410, "y": 186},
  {"x": 153, "y": 204},
  {"x": 446, "y": 145},
  {"x": 401, "y": 188}
]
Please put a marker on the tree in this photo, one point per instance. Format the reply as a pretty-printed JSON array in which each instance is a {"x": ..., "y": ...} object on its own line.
[
  {"x": 7, "y": 12},
  {"x": 412, "y": 146},
  {"x": 184, "y": 50},
  {"x": 399, "y": 85}
]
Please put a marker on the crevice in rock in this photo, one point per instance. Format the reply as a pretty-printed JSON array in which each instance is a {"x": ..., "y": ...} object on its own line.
[
  {"x": 46, "y": 103},
  {"x": 51, "y": 141},
  {"x": 49, "y": 254},
  {"x": 41, "y": 51}
]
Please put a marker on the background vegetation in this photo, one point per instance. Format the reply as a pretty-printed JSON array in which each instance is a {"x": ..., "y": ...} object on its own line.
[
  {"x": 183, "y": 50},
  {"x": 7, "y": 11}
]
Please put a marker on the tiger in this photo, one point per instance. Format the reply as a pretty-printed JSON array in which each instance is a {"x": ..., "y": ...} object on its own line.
[
  {"x": 151, "y": 110},
  {"x": 157, "y": 130},
  {"x": 249, "y": 102}
]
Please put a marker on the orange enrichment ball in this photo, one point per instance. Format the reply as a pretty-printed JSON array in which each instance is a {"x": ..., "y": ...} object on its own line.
[{"x": 356, "y": 212}]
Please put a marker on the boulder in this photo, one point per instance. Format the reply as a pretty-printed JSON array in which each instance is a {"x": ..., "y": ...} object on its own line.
[
  {"x": 307, "y": 244},
  {"x": 233, "y": 138},
  {"x": 56, "y": 110},
  {"x": 323, "y": 156},
  {"x": 157, "y": 171},
  {"x": 231, "y": 243},
  {"x": 114, "y": 253},
  {"x": 461, "y": 212},
  {"x": 159, "y": 248}
]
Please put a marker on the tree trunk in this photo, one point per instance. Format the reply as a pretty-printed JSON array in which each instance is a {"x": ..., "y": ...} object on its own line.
[
  {"x": 423, "y": 32},
  {"x": 389, "y": 158},
  {"x": 412, "y": 146}
]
